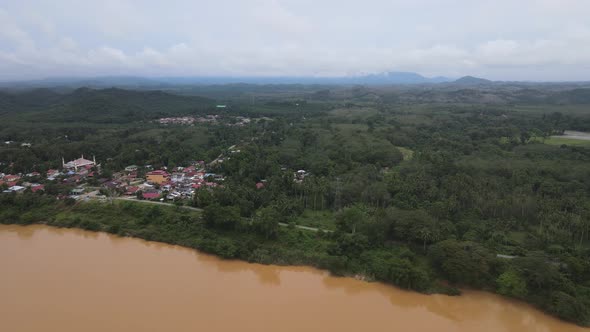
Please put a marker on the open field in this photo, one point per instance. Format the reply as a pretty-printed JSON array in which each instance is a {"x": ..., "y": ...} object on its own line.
[
  {"x": 577, "y": 135},
  {"x": 575, "y": 138}
]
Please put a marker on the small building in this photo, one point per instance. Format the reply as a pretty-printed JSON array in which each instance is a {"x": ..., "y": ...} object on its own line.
[
  {"x": 132, "y": 190},
  {"x": 52, "y": 173},
  {"x": 73, "y": 179},
  {"x": 77, "y": 191},
  {"x": 17, "y": 189},
  {"x": 11, "y": 178},
  {"x": 157, "y": 177},
  {"x": 37, "y": 187},
  {"x": 177, "y": 177},
  {"x": 300, "y": 175},
  {"x": 131, "y": 168}
]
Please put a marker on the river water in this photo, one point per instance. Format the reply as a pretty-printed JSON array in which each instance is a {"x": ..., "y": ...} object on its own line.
[{"x": 62, "y": 280}]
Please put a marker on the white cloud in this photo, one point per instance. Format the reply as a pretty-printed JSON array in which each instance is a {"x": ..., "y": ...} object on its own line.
[
  {"x": 11, "y": 33},
  {"x": 527, "y": 39}
]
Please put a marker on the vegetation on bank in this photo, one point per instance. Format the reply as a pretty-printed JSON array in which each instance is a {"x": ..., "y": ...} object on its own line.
[{"x": 223, "y": 232}]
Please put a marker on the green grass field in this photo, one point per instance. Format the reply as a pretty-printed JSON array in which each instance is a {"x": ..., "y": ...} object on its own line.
[{"x": 556, "y": 140}]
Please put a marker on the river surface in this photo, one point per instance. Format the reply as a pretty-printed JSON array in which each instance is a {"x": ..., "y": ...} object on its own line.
[{"x": 62, "y": 280}]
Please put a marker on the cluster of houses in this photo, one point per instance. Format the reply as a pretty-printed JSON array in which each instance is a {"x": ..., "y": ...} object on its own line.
[
  {"x": 242, "y": 121},
  {"x": 172, "y": 184},
  {"x": 212, "y": 118},
  {"x": 141, "y": 182},
  {"x": 189, "y": 120},
  {"x": 72, "y": 172},
  {"x": 20, "y": 182}
]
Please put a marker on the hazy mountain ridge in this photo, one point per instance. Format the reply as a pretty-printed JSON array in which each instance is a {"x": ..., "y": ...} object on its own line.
[
  {"x": 165, "y": 83},
  {"x": 135, "y": 82},
  {"x": 471, "y": 80}
]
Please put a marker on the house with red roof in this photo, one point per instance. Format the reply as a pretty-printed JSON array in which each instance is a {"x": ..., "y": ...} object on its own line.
[
  {"x": 189, "y": 169},
  {"x": 150, "y": 195},
  {"x": 11, "y": 178},
  {"x": 73, "y": 179},
  {"x": 130, "y": 191},
  {"x": 37, "y": 187}
]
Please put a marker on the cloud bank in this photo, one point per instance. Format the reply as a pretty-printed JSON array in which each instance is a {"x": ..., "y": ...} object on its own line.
[{"x": 508, "y": 40}]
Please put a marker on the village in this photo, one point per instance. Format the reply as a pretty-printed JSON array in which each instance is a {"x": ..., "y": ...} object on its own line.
[
  {"x": 84, "y": 178},
  {"x": 238, "y": 121},
  {"x": 85, "y": 181}
]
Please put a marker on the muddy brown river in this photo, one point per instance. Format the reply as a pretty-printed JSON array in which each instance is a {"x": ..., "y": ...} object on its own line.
[{"x": 59, "y": 280}]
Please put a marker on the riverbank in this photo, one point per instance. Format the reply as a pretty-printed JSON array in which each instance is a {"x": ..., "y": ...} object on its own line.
[
  {"x": 341, "y": 254},
  {"x": 396, "y": 265},
  {"x": 95, "y": 282}
]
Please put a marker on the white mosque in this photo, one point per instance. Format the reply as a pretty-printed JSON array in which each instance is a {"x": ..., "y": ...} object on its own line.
[{"x": 79, "y": 163}]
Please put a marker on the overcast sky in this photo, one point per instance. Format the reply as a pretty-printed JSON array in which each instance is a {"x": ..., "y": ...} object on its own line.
[{"x": 501, "y": 39}]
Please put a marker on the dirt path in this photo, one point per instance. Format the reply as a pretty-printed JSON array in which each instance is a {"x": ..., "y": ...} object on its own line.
[{"x": 132, "y": 199}]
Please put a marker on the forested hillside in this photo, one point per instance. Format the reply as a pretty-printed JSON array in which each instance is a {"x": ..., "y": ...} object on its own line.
[{"x": 96, "y": 106}]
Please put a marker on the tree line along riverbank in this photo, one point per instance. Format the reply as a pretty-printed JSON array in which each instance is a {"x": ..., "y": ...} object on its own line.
[{"x": 221, "y": 231}]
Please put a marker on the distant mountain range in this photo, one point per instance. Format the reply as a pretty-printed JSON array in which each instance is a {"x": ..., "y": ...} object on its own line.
[
  {"x": 387, "y": 78},
  {"x": 398, "y": 78},
  {"x": 470, "y": 80}
]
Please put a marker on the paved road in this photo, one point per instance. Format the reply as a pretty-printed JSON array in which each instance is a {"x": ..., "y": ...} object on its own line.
[{"x": 132, "y": 199}]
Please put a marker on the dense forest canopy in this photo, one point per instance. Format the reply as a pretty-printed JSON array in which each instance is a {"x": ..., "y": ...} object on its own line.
[{"x": 420, "y": 187}]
